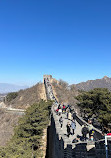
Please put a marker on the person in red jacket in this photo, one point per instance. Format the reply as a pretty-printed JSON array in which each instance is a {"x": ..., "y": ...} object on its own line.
[
  {"x": 63, "y": 109},
  {"x": 109, "y": 132}
]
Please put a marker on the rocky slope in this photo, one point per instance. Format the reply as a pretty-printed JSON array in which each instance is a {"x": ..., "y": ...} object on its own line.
[
  {"x": 28, "y": 96},
  {"x": 7, "y": 123},
  {"x": 64, "y": 93}
]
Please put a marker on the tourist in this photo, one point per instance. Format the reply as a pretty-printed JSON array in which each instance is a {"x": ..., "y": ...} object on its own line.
[
  {"x": 59, "y": 112},
  {"x": 68, "y": 106},
  {"x": 58, "y": 106},
  {"x": 104, "y": 130},
  {"x": 73, "y": 125},
  {"x": 61, "y": 121},
  {"x": 92, "y": 132},
  {"x": 84, "y": 131},
  {"x": 90, "y": 128},
  {"x": 67, "y": 111},
  {"x": 68, "y": 129},
  {"x": 69, "y": 116},
  {"x": 63, "y": 109},
  {"x": 74, "y": 115}
]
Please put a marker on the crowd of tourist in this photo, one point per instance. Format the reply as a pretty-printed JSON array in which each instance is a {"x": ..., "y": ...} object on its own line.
[
  {"x": 87, "y": 131},
  {"x": 70, "y": 127}
]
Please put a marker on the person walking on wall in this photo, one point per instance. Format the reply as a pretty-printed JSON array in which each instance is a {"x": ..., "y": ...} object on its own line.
[
  {"x": 73, "y": 125},
  {"x": 69, "y": 116},
  {"x": 68, "y": 129},
  {"x": 59, "y": 111},
  {"x": 63, "y": 109},
  {"x": 84, "y": 131},
  {"x": 92, "y": 133},
  {"x": 67, "y": 111},
  {"x": 74, "y": 115},
  {"x": 90, "y": 128},
  {"x": 61, "y": 121}
]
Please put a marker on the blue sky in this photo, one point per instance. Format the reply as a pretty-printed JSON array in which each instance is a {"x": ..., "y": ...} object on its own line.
[{"x": 70, "y": 39}]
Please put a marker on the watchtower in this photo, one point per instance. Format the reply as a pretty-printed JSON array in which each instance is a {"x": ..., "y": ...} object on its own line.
[{"x": 48, "y": 77}]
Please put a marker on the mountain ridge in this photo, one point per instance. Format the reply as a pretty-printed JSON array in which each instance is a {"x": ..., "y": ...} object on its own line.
[{"x": 105, "y": 82}]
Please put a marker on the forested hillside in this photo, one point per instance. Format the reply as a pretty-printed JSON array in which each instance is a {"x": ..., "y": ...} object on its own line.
[
  {"x": 96, "y": 103},
  {"x": 22, "y": 99},
  {"x": 27, "y": 139}
]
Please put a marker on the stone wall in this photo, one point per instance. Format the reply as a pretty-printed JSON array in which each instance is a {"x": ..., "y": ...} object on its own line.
[
  {"x": 59, "y": 146},
  {"x": 42, "y": 92}
]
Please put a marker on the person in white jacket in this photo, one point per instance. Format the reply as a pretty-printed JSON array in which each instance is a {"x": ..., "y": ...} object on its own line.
[{"x": 69, "y": 116}]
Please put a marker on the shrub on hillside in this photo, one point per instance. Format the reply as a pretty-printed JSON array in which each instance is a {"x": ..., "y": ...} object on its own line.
[
  {"x": 11, "y": 96},
  {"x": 26, "y": 142},
  {"x": 96, "y": 102}
]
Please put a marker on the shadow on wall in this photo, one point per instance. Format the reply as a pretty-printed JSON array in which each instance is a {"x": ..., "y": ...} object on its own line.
[{"x": 50, "y": 139}]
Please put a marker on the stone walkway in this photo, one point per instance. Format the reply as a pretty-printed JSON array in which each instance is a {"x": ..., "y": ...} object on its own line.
[
  {"x": 65, "y": 120},
  {"x": 64, "y": 129}
]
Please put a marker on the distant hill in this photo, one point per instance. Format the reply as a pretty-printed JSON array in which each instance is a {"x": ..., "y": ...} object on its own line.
[
  {"x": 6, "y": 88},
  {"x": 105, "y": 82}
]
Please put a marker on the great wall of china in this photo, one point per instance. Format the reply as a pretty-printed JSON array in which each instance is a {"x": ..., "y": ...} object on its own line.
[{"x": 60, "y": 146}]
